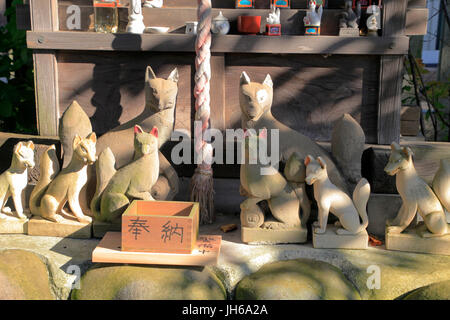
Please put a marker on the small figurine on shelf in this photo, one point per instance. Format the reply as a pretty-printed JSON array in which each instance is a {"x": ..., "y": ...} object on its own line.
[
  {"x": 373, "y": 22},
  {"x": 245, "y": 4},
  {"x": 220, "y": 25},
  {"x": 348, "y": 23},
  {"x": 106, "y": 16},
  {"x": 273, "y": 25},
  {"x": 153, "y": 3},
  {"x": 135, "y": 18},
  {"x": 280, "y": 4},
  {"x": 312, "y": 19}
]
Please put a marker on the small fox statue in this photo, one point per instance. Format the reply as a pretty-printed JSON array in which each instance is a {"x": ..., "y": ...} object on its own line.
[
  {"x": 55, "y": 188},
  {"x": 331, "y": 199},
  {"x": 15, "y": 179},
  {"x": 116, "y": 189}
]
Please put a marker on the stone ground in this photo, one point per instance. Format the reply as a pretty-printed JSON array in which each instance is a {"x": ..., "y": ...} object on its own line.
[{"x": 288, "y": 273}]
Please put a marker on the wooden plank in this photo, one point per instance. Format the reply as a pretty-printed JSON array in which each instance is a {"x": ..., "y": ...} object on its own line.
[
  {"x": 394, "y": 17},
  {"x": 44, "y": 17},
  {"x": 217, "y": 91},
  {"x": 221, "y": 44},
  {"x": 417, "y": 3},
  {"x": 416, "y": 21}
]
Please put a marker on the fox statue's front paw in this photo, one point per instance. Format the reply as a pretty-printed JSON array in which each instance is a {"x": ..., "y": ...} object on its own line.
[
  {"x": 316, "y": 224},
  {"x": 319, "y": 230},
  {"x": 84, "y": 219}
]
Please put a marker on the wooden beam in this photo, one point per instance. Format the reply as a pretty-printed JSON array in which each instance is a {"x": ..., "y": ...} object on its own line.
[
  {"x": 416, "y": 21},
  {"x": 44, "y": 17},
  {"x": 65, "y": 40},
  {"x": 218, "y": 91}
]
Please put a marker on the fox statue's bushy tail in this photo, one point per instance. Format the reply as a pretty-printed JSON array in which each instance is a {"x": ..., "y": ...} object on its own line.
[
  {"x": 49, "y": 169},
  {"x": 105, "y": 170},
  {"x": 361, "y": 196}
]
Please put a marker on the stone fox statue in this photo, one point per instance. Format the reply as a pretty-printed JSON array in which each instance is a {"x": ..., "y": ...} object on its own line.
[
  {"x": 15, "y": 179},
  {"x": 55, "y": 188},
  {"x": 416, "y": 195},
  {"x": 133, "y": 181},
  {"x": 256, "y": 102},
  {"x": 159, "y": 111},
  {"x": 331, "y": 199},
  {"x": 284, "y": 202}
]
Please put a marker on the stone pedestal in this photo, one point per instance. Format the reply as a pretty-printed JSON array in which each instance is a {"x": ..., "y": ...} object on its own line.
[
  {"x": 100, "y": 228},
  {"x": 348, "y": 32},
  {"x": 13, "y": 225},
  {"x": 273, "y": 236},
  {"x": 331, "y": 240},
  {"x": 412, "y": 241},
  {"x": 38, "y": 226}
]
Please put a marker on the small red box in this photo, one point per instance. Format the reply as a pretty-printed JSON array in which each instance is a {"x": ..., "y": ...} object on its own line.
[
  {"x": 249, "y": 24},
  {"x": 273, "y": 29}
]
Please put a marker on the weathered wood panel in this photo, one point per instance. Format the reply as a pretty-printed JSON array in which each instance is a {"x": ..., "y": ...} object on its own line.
[
  {"x": 310, "y": 92},
  {"x": 110, "y": 86},
  {"x": 416, "y": 21}
]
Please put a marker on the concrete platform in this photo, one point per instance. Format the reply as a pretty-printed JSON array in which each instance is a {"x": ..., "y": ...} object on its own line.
[
  {"x": 38, "y": 226},
  {"x": 331, "y": 240},
  {"x": 99, "y": 228},
  {"x": 9, "y": 224},
  {"x": 273, "y": 236}
]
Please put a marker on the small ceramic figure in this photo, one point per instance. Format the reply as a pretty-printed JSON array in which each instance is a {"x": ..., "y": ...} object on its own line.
[
  {"x": 331, "y": 199},
  {"x": 133, "y": 181},
  {"x": 191, "y": 27},
  {"x": 220, "y": 24},
  {"x": 313, "y": 18},
  {"x": 273, "y": 25},
  {"x": 15, "y": 179},
  {"x": 416, "y": 194},
  {"x": 50, "y": 194},
  {"x": 135, "y": 18},
  {"x": 153, "y": 3},
  {"x": 350, "y": 19},
  {"x": 373, "y": 22}
]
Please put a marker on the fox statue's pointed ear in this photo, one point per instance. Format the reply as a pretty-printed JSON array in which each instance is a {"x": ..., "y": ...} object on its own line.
[
  {"x": 18, "y": 146},
  {"x": 174, "y": 75},
  {"x": 407, "y": 152},
  {"x": 395, "y": 146},
  {"x": 268, "y": 81},
  {"x": 138, "y": 129},
  {"x": 263, "y": 133},
  {"x": 154, "y": 132},
  {"x": 245, "y": 79},
  {"x": 321, "y": 162},
  {"x": 93, "y": 137},
  {"x": 149, "y": 74},
  {"x": 30, "y": 145},
  {"x": 308, "y": 160},
  {"x": 76, "y": 141}
]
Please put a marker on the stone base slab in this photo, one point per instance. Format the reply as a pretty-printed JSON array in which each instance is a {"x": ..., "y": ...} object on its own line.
[
  {"x": 13, "y": 225},
  {"x": 38, "y": 226},
  {"x": 348, "y": 32},
  {"x": 273, "y": 236},
  {"x": 100, "y": 228},
  {"x": 331, "y": 240},
  {"x": 412, "y": 241}
]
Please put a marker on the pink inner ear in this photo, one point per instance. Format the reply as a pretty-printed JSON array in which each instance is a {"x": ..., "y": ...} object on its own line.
[
  {"x": 307, "y": 161},
  {"x": 263, "y": 134},
  {"x": 137, "y": 129},
  {"x": 154, "y": 132}
]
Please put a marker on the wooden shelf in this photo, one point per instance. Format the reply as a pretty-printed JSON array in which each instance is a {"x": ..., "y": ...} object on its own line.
[{"x": 66, "y": 40}]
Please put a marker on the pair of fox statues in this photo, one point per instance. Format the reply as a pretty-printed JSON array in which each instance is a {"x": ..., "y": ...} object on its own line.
[{"x": 104, "y": 175}]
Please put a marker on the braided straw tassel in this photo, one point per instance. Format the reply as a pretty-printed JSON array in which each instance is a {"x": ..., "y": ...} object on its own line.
[{"x": 202, "y": 183}]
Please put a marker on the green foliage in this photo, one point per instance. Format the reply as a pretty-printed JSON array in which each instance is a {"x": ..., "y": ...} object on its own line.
[{"x": 17, "y": 99}]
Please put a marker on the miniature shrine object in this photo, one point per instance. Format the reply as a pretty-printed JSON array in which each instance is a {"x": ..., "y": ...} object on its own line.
[
  {"x": 273, "y": 25},
  {"x": 135, "y": 18},
  {"x": 348, "y": 23},
  {"x": 349, "y": 232},
  {"x": 14, "y": 180},
  {"x": 245, "y": 4},
  {"x": 263, "y": 182},
  {"x": 106, "y": 16},
  {"x": 280, "y": 4},
  {"x": 312, "y": 19},
  {"x": 191, "y": 27},
  {"x": 153, "y": 3},
  {"x": 431, "y": 236},
  {"x": 374, "y": 20},
  {"x": 220, "y": 24},
  {"x": 249, "y": 24}
]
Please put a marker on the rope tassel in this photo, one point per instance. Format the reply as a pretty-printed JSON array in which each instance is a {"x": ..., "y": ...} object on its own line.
[{"x": 202, "y": 182}]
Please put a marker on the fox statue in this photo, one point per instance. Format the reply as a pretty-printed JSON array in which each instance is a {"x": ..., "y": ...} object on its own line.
[
  {"x": 256, "y": 103},
  {"x": 116, "y": 189},
  {"x": 416, "y": 194},
  {"x": 55, "y": 188},
  {"x": 15, "y": 179},
  {"x": 283, "y": 199},
  {"x": 330, "y": 198}
]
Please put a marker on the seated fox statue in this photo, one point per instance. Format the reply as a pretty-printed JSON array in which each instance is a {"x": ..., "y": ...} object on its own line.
[
  {"x": 330, "y": 198},
  {"x": 256, "y": 103},
  {"x": 55, "y": 188},
  {"x": 263, "y": 182},
  {"x": 15, "y": 179},
  {"x": 416, "y": 194},
  {"x": 116, "y": 189}
]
